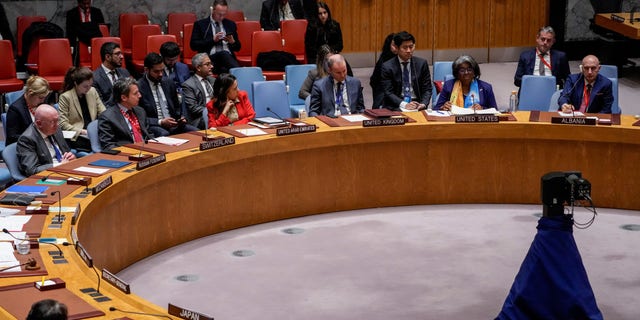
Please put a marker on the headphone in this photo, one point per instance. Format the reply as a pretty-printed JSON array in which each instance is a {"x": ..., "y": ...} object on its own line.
[{"x": 580, "y": 66}]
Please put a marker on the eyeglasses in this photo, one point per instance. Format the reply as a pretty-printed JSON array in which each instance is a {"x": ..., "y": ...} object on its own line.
[{"x": 465, "y": 70}]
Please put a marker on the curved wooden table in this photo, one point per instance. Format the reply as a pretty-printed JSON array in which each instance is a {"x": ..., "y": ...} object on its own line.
[{"x": 262, "y": 179}]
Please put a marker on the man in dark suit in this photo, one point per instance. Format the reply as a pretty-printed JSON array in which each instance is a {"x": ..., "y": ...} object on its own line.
[
  {"x": 160, "y": 100},
  {"x": 274, "y": 11},
  {"x": 42, "y": 145},
  {"x": 337, "y": 94},
  {"x": 197, "y": 91},
  {"x": 406, "y": 80},
  {"x": 109, "y": 71},
  {"x": 587, "y": 91},
  {"x": 542, "y": 60},
  {"x": 83, "y": 24},
  {"x": 218, "y": 37},
  {"x": 125, "y": 122},
  {"x": 173, "y": 68}
]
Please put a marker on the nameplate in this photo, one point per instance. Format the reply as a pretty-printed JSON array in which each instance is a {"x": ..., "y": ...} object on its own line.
[
  {"x": 102, "y": 185},
  {"x": 76, "y": 214},
  {"x": 115, "y": 281},
  {"x": 477, "y": 118},
  {"x": 574, "y": 120},
  {"x": 44, "y": 209},
  {"x": 384, "y": 122},
  {"x": 74, "y": 237},
  {"x": 295, "y": 130},
  {"x": 84, "y": 255},
  {"x": 617, "y": 18},
  {"x": 150, "y": 162},
  {"x": 183, "y": 313},
  {"x": 217, "y": 143}
]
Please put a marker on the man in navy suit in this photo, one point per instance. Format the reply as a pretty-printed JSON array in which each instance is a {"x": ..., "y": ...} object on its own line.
[
  {"x": 337, "y": 94},
  {"x": 173, "y": 68},
  {"x": 405, "y": 79},
  {"x": 587, "y": 91},
  {"x": 218, "y": 37},
  {"x": 160, "y": 99},
  {"x": 542, "y": 60},
  {"x": 109, "y": 71}
]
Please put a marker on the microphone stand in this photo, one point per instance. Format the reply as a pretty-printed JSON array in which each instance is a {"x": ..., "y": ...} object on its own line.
[
  {"x": 278, "y": 116},
  {"x": 49, "y": 243},
  {"x": 140, "y": 156},
  {"x": 58, "y": 218}
]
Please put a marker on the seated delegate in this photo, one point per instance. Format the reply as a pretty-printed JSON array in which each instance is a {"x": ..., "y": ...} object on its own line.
[
  {"x": 587, "y": 91},
  {"x": 230, "y": 106},
  {"x": 466, "y": 90}
]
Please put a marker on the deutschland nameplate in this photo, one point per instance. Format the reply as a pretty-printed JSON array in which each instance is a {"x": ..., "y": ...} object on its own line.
[
  {"x": 477, "y": 118},
  {"x": 295, "y": 130},
  {"x": 150, "y": 162},
  {"x": 217, "y": 143},
  {"x": 102, "y": 185},
  {"x": 384, "y": 122},
  {"x": 574, "y": 120}
]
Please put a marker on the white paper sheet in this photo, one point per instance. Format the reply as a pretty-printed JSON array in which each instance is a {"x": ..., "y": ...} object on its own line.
[
  {"x": 68, "y": 134},
  {"x": 5, "y": 212},
  {"x": 169, "y": 141},
  {"x": 251, "y": 132},
  {"x": 571, "y": 114},
  {"x": 17, "y": 234},
  {"x": 438, "y": 113},
  {"x": 14, "y": 223},
  {"x": 91, "y": 170},
  {"x": 354, "y": 117}
]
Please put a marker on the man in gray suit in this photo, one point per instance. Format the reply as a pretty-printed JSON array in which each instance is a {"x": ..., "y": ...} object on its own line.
[
  {"x": 197, "y": 91},
  {"x": 109, "y": 71},
  {"x": 337, "y": 94},
  {"x": 42, "y": 145}
]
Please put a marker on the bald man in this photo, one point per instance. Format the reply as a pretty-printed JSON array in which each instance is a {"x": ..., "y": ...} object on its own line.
[
  {"x": 587, "y": 91},
  {"x": 338, "y": 94},
  {"x": 42, "y": 145}
]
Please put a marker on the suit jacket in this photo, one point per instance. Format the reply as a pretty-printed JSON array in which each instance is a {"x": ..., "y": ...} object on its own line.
[
  {"x": 113, "y": 129},
  {"x": 33, "y": 154},
  {"x": 18, "y": 120},
  {"x": 71, "y": 112},
  {"x": 270, "y": 15},
  {"x": 102, "y": 83},
  {"x": 81, "y": 30},
  {"x": 601, "y": 97},
  {"x": 180, "y": 74},
  {"x": 148, "y": 103},
  {"x": 559, "y": 66},
  {"x": 244, "y": 107},
  {"x": 323, "y": 97},
  {"x": 202, "y": 36},
  {"x": 486, "y": 99},
  {"x": 391, "y": 82},
  {"x": 194, "y": 98}
]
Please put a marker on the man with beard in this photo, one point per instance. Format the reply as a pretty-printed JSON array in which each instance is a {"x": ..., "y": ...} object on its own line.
[{"x": 109, "y": 71}]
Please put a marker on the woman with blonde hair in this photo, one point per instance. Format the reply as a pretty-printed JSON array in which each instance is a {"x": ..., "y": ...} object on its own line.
[{"x": 20, "y": 114}]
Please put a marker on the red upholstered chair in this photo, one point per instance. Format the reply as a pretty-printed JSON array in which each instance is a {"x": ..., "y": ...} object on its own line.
[
  {"x": 23, "y": 22},
  {"x": 96, "y": 44},
  {"x": 55, "y": 69},
  {"x": 127, "y": 21},
  {"x": 235, "y": 15},
  {"x": 84, "y": 50},
  {"x": 265, "y": 41},
  {"x": 187, "y": 53},
  {"x": 8, "y": 80},
  {"x": 175, "y": 25},
  {"x": 139, "y": 43},
  {"x": 245, "y": 33},
  {"x": 104, "y": 29},
  {"x": 154, "y": 42},
  {"x": 292, "y": 32}
]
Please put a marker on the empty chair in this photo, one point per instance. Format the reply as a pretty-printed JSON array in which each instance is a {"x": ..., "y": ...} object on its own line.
[
  {"x": 536, "y": 92},
  {"x": 553, "y": 104},
  {"x": 292, "y": 32},
  {"x": 96, "y": 45},
  {"x": 440, "y": 70},
  {"x": 245, "y": 77},
  {"x": 9, "y": 81},
  {"x": 23, "y": 22},
  {"x": 294, "y": 77},
  {"x": 154, "y": 42},
  {"x": 175, "y": 25},
  {"x": 235, "y": 15},
  {"x": 609, "y": 71},
  {"x": 139, "y": 44},
  {"x": 10, "y": 156},
  {"x": 187, "y": 52},
  {"x": 92, "y": 132},
  {"x": 54, "y": 69},
  {"x": 127, "y": 21},
  {"x": 265, "y": 41},
  {"x": 245, "y": 33},
  {"x": 615, "y": 107},
  {"x": 272, "y": 95}
]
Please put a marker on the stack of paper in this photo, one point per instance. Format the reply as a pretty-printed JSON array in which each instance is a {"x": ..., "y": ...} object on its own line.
[{"x": 169, "y": 141}]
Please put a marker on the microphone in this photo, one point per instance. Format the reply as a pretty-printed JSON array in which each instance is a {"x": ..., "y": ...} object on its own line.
[
  {"x": 31, "y": 264},
  {"x": 140, "y": 313},
  {"x": 53, "y": 244},
  {"x": 140, "y": 156},
  {"x": 81, "y": 181},
  {"x": 568, "y": 93},
  {"x": 58, "y": 219},
  {"x": 278, "y": 116}
]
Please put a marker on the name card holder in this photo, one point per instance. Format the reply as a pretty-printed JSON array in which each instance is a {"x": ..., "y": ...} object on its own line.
[
  {"x": 115, "y": 281},
  {"x": 43, "y": 209},
  {"x": 216, "y": 143},
  {"x": 102, "y": 185},
  {"x": 383, "y": 122},
  {"x": 55, "y": 283},
  {"x": 584, "y": 121},
  {"x": 82, "y": 252},
  {"x": 295, "y": 130},
  {"x": 76, "y": 214},
  {"x": 477, "y": 118},
  {"x": 151, "y": 162},
  {"x": 183, "y": 313}
]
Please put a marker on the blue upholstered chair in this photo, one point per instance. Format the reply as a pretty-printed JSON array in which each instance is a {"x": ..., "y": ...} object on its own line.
[
  {"x": 294, "y": 77},
  {"x": 10, "y": 156},
  {"x": 272, "y": 95},
  {"x": 536, "y": 92},
  {"x": 92, "y": 132},
  {"x": 246, "y": 76},
  {"x": 440, "y": 70}
]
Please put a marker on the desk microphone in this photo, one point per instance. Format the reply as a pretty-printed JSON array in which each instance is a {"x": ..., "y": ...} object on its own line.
[
  {"x": 83, "y": 181},
  {"x": 277, "y": 115},
  {"x": 31, "y": 264},
  {"x": 140, "y": 313},
  {"x": 50, "y": 243},
  {"x": 59, "y": 217},
  {"x": 568, "y": 93}
]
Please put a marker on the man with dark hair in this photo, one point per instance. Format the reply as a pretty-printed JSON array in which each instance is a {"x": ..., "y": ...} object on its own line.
[
  {"x": 160, "y": 100},
  {"x": 48, "y": 309},
  {"x": 274, "y": 11},
  {"x": 83, "y": 24},
  {"x": 109, "y": 71},
  {"x": 197, "y": 91},
  {"x": 173, "y": 68},
  {"x": 218, "y": 37},
  {"x": 405, "y": 79},
  {"x": 542, "y": 61},
  {"x": 125, "y": 122}
]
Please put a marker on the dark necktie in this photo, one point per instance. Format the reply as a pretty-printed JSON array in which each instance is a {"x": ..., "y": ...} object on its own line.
[
  {"x": 541, "y": 67},
  {"x": 113, "y": 76},
  {"x": 207, "y": 86},
  {"x": 339, "y": 106},
  {"x": 217, "y": 29},
  {"x": 406, "y": 84},
  {"x": 56, "y": 149},
  {"x": 162, "y": 107}
]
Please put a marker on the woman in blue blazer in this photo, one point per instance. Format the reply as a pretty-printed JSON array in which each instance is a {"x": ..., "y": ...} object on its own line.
[{"x": 466, "y": 90}]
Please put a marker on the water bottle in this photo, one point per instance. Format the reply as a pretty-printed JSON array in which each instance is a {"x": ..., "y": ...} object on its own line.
[
  {"x": 302, "y": 114},
  {"x": 513, "y": 101}
]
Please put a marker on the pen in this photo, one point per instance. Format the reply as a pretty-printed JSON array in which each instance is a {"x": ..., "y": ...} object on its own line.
[
  {"x": 440, "y": 112},
  {"x": 42, "y": 285}
]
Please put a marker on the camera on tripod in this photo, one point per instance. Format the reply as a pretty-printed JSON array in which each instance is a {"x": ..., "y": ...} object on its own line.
[{"x": 558, "y": 189}]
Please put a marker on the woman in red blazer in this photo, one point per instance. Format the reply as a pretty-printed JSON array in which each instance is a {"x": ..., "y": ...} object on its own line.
[{"x": 229, "y": 106}]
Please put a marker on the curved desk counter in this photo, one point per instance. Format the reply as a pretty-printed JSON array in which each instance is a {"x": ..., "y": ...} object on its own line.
[{"x": 261, "y": 179}]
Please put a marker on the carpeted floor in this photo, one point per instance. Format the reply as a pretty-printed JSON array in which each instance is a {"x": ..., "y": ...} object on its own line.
[{"x": 422, "y": 262}]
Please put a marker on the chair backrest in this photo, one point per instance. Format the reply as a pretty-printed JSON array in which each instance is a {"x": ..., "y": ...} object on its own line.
[
  {"x": 292, "y": 32},
  {"x": 295, "y": 76},
  {"x": 245, "y": 33},
  {"x": 553, "y": 103},
  {"x": 536, "y": 92},
  {"x": 609, "y": 71},
  {"x": 187, "y": 52},
  {"x": 104, "y": 29},
  {"x": 58, "y": 48},
  {"x": 139, "y": 39},
  {"x": 235, "y": 15},
  {"x": 96, "y": 45},
  {"x": 128, "y": 20},
  {"x": 4, "y": 123},
  {"x": 264, "y": 41},
  {"x": 10, "y": 156},
  {"x": 440, "y": 70},
  {"x": 176, "y": 22},
  {"x": 11, "y": 97},
  {"x": 23, "y": 22},
  {"x": 615, "y": 107},
  {"x": 155, "y": 41},
  {"x": 92, "y": 132},
  {"x": 7, "y": 61},
  {"x": 245, "y": 77},
  {"x": 273, "y": 95}
]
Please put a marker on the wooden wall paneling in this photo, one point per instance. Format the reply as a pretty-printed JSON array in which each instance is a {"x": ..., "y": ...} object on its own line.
[
  {"x": 515, "y": 23},
  {"x": 461, "y": 27},
  {"x": 356, "y": 18}
]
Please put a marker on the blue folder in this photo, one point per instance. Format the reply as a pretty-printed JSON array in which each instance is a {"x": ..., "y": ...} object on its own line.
[
  {"x": 109, "y": 163},
  {"x": 17, "y": 188}
]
